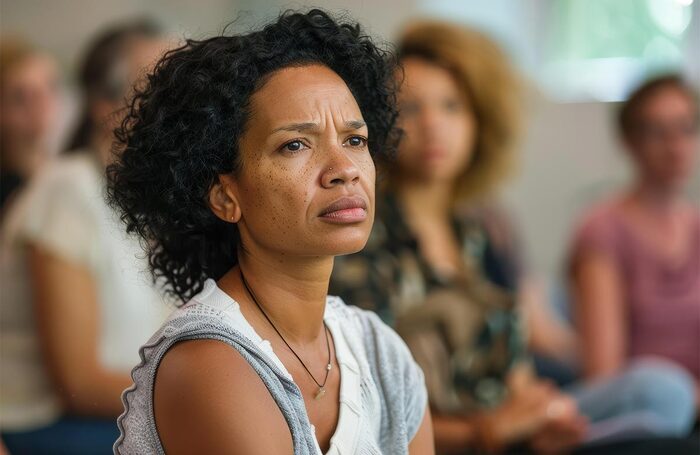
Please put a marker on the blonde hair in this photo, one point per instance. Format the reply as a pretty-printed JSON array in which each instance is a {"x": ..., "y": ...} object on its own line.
[{"x": 485, "y": 75}]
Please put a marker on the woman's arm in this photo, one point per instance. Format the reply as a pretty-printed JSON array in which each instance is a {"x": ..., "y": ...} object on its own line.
[
  {"x": 521, "y": 418},
  {"x": 546, "y": 333},
  {"x": 454, "y": 434},
  {"x": 208, "y": 399},
  {"x": 423, "y": 442},
  {"x": 67, "y": 314},
  {"x": 599, "y": 312}
]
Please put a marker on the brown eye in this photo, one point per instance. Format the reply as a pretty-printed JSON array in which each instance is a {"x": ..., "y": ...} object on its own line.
[
  {"x": 293, "y": 146},
  {"x": 357, "y": 141}
]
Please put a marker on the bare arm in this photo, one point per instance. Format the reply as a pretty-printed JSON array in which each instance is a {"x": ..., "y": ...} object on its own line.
[
  {"x": 208, "y": 399},
  {"x": 600, "y": 318},
  {"x": 546, "y": 333},
  {"x": 423, "y": 442},
  {"x": 67, "y": 314},
  {"x": 519, "y": 419},
  {"x": 453, "y": 434}
]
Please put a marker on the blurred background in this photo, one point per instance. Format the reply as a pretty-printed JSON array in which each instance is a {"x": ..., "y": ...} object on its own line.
[
  {"x": 579, "y": 58},
  {"x": 68, "y": 65}
]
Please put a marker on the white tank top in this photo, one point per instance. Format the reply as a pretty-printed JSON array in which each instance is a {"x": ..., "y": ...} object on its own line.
[
  {"x": 382, "y": 391},
  {"x": 348, "y": 426}
]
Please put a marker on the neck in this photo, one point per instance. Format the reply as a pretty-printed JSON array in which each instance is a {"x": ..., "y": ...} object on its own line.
[
  {"x": 292, "y": 292},
  {"x": 658, "y": 199},
  {"x": 425, "y": 199},
  {"x": 29, "y": 158}
]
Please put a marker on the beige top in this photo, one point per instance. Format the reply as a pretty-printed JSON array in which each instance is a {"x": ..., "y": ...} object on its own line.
[{"x": 63, "y": 210}]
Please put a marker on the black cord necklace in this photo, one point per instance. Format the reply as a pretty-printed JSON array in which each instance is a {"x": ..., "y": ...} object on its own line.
[{"x": 321, "y": 387}]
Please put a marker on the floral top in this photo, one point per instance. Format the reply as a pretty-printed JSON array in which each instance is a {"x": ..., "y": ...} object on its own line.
[{"x": 464, "y": 330}]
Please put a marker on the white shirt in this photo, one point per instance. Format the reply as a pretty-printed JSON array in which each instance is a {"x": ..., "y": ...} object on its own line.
[{"x": 63, "y": 211}]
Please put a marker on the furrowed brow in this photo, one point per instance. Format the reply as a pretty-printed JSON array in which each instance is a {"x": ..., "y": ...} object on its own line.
[{"x": 300, "y": 127}]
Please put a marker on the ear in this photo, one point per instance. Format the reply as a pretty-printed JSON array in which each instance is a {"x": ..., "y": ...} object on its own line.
[{"x": 223, "y": 199}]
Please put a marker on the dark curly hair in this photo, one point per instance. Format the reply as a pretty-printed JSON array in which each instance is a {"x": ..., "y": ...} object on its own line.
[{"x": 183, "y": 128}]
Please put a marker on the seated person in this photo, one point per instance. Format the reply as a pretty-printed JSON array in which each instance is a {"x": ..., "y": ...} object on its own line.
[
  {"x": 434, "y": 268},
  {"x": 79, "y": 301},
  {"x": 247, "y": 166},
  {"x": 29, "y": 113},
  {"x": 635, "y": 260}
]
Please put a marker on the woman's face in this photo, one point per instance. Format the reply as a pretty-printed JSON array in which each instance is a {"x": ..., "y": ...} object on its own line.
[
  {"x": 29, "y": 104},
  {"x": 306, "y": 183},
  {"x": 665, "y": 145},
  {"x": 438, "y": 123}
]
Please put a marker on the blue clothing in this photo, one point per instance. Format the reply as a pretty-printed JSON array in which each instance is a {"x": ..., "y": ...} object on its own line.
[{"x": 68, "y": 436}]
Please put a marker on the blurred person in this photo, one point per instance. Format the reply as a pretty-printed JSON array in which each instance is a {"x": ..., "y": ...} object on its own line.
[
  {"x": 247, "y": 166},
  {"x": 635, "y": 260},
  {"x": 77, "y": 300},
  {"x": 442, "y": 267},
  {"x": 29, "y": 108}
]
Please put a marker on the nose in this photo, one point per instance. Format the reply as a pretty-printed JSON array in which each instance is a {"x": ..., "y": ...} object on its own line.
[
  {"x": 430, "y": 121},
  {"x": 339, "y": 170}
]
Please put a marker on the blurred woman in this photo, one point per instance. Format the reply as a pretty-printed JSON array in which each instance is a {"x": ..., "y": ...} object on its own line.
[
  {"x": 636, "y": 257},
  {"x": 442, "y": 267},
  {"x": 29, "y": 106},
  {"x": 68, "y": 360}
]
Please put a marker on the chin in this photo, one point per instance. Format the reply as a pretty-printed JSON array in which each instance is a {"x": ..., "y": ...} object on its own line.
[{"x": 345, "y": 243}]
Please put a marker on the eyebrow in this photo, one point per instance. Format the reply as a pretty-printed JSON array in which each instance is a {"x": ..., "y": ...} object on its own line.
[{"x": 306, "y": 126}]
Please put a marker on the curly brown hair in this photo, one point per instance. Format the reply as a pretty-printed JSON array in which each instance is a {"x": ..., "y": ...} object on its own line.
[{"x": 485, "y": 75}]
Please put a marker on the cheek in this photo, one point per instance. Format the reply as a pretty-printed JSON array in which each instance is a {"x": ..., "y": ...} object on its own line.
[
  {"x": 464, "y": 128},
  {"x": 653, "y": 158},
  {"x": 370, "y": 172},
  {"x": 410, "y": 147},
  {"x": 461, "y": 135},
  {"x": 278, "y": 196}
]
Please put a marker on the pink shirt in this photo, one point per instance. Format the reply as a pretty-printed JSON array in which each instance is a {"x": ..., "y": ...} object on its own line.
[{"x": 662, "y": 300}]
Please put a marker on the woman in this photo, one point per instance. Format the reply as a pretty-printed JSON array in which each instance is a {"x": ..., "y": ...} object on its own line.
[
  {"x": 29, "y": 108},
  {"x": 82, "y": 302},
  {"x": 636, "y": 257},
  {"x": 440, "y": 264},
  {"x": 247, "y": 166}
]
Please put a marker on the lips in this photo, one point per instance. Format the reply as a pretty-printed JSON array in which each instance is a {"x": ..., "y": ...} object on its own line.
[{"x": 349, "y": 209}]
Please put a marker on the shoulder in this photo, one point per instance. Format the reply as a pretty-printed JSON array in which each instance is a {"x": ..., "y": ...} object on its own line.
[
  {"x": 69, "y": 182},
  {"x": 597, "y": 236},
  {"x": 491, "y": 214},
  {"x": 597, "y": 225},
  {"x": 600, "y": 214},
  {"x": 204, "y": 386},
  {"x": 77, "y": 170}
]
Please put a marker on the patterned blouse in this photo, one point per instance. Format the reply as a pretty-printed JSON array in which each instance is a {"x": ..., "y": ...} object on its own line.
[{"x": 463, "y": 330}]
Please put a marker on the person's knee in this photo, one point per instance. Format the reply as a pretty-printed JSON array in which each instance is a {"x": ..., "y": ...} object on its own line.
[{"x": 666, "y": 390}]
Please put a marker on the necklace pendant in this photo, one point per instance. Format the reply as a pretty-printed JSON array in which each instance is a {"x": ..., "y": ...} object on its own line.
[{"x": 321, "y": 392}]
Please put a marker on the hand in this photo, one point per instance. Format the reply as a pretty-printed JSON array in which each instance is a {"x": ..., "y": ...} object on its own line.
[
  {"x": 521, "y": 416},
  {"x": 564, "y": 429},
  {"x": 539, "y": 413}
]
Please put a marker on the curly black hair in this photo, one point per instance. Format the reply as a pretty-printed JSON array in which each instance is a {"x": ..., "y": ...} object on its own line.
[{"x": 183, "y": 127}]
